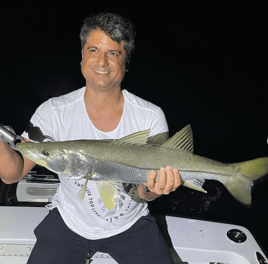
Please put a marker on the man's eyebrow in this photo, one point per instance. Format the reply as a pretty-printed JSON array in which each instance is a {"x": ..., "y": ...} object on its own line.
[{"x": 90, "y": 47}]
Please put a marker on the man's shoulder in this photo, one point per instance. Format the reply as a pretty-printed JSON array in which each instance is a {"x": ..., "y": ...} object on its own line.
[
  {"x": 139, "y": 102},
  {"x": 67, "y": 99}
]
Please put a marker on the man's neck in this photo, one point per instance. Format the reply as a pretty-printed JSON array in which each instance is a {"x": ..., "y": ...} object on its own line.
[{"x": 103, "y": 99}]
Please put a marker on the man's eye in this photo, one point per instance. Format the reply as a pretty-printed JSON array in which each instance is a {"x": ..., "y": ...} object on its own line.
[
  {"x": 92, "y": 50},
  {"x": 114, "y": 53}
]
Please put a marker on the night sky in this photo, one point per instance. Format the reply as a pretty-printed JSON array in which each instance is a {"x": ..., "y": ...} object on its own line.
[{"x": 205, "y": 66}]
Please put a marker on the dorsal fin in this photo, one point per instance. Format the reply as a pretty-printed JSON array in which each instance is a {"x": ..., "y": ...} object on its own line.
[
  {"x": 158, "y": 138},
  {"x": 182, "y": 140},
  {"x": 139, "y": 137}
]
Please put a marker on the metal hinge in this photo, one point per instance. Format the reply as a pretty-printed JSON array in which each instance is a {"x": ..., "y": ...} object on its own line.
[{"x": 15, "y": 250}]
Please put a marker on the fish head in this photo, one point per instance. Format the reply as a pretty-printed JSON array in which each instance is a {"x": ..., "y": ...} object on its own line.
[{"x": 51, "y": 155}]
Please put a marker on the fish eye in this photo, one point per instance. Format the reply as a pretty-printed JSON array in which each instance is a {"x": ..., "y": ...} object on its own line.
[{"x": 45, "y": 152}]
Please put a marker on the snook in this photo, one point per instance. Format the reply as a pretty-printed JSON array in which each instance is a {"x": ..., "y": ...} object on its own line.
[{"x": 129, "y": 160}]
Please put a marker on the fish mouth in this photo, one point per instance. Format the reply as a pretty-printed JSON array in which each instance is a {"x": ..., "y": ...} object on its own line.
[{"x": 19, "y": 147}]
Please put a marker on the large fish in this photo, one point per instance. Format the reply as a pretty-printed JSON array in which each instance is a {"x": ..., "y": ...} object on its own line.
[{"x": 129, "y": 160}]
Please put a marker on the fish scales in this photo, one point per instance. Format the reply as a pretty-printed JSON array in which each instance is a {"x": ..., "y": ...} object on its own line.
[
  {"x": 154, "y": 157},
  {"x": 130, "y": 159}
]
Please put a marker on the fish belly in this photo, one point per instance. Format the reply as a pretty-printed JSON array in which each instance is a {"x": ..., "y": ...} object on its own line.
[{"x": 111, "y": 171}]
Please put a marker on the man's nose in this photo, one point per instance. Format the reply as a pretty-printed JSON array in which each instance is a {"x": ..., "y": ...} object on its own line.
[{"x": 103, "y": 59}]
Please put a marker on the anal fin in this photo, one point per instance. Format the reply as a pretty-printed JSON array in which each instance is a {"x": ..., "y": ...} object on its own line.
[{"x": 195, "y": 184}]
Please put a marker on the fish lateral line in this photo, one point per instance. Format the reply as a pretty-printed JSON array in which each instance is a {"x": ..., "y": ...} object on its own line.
[{"x": 134, "y": 152}]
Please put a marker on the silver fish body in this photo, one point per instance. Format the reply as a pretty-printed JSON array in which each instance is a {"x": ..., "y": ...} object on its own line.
[{"x": 130, "y": 159}]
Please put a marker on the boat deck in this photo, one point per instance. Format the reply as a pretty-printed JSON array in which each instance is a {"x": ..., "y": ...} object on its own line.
[{"x": 194, "y": 241}]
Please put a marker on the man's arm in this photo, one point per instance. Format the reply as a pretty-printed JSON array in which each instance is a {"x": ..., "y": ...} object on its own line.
[
  {"x": 12, "y": 167},
  {"x": 169, "y": 180}
]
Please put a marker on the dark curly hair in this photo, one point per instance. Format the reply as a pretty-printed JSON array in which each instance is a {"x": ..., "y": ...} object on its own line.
[{"x": 115, "y": 26}]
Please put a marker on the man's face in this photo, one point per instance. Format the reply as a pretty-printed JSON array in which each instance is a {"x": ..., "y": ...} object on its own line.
[{"x": 103, "y": 61}]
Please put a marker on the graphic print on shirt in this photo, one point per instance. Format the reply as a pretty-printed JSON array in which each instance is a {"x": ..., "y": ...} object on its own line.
[{"x": 127, "y": 197}]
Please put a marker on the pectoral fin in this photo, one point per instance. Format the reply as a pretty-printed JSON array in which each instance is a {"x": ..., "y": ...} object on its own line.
[
  {"x": 82, "y": 191},
  {"x": 195, "y": 184},
  {"x": 109, "y": 193}
]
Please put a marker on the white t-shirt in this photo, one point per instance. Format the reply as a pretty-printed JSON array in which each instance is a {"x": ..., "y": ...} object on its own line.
[{"x": 65, "y": 118}]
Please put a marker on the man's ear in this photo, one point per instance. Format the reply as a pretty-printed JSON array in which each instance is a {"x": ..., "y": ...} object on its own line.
[{"x": 82, "y": 56}]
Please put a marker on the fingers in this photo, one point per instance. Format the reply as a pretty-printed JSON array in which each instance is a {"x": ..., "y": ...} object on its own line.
[
  {"x": 151, "y": 179},
  {"x": 170, "y": 180},
  {"x": 177, "y": 180},
  {"x": 161, "y": 182},
  {"x": 164, "y": 181}
]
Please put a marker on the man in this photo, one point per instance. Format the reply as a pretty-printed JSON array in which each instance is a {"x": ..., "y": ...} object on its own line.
[{"x": 100, "y": 110}]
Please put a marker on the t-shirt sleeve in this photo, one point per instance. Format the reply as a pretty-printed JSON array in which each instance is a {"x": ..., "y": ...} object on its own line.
[
  {"x": 41, "y": 124},
  {"x": 159, "y": 123}
]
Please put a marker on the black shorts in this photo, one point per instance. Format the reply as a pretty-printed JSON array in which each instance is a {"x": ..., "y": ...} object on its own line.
[{"x": 56, "y": 243}]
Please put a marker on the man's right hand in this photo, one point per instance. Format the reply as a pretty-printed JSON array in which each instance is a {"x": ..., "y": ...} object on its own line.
[{"x": 12, "y": 166}]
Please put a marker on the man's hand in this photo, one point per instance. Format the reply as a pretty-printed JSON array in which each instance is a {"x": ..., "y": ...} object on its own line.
[{"x": 160, "y": 182}]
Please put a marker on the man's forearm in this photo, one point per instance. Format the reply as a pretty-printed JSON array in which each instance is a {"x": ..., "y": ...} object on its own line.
[{"x": 11, "y": 164}]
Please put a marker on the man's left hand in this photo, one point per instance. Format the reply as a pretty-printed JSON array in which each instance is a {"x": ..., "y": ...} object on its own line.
[{"x": 160, "y": 182}]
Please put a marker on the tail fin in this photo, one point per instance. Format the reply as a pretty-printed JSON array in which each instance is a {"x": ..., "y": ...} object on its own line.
[{"x": 240, "y": 186}]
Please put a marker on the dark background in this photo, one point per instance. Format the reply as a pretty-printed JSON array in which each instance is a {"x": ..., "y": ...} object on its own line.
[{"x": 206, "y": 66}]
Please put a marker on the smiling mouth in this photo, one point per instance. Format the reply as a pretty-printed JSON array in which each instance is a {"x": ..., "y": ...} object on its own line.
[{"x": 101, "y": 72}]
